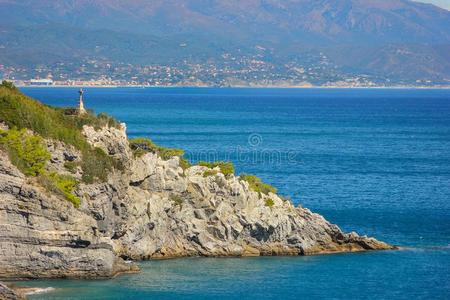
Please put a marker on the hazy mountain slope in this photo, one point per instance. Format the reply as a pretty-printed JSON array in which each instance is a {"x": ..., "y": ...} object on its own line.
[
  {"x": 375, "y": 32},
  {"x": 337, "y": 20}
]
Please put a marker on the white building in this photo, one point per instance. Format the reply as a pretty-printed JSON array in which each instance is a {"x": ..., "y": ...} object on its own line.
[{"x": 41, "y": 82}]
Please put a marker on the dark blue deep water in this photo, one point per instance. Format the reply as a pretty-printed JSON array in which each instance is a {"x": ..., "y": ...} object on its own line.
[{"x": 373, "y": 161}]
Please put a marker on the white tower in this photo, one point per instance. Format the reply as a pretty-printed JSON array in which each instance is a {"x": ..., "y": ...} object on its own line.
[{"x": 81, "y": 109}]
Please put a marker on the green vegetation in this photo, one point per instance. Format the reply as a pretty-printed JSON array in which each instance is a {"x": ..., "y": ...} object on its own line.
[
  {"x": 8, "y": 85},
  {"x": 22, "y": 112},
  {"x": 28, "y": 153},
  {"x": 257, "y": 185},
  {"x": 177, "y": 199},
  {"x": 62, "y": 185},
  {"x": 226, "y": 167},
  {"x": 25, "y": 150},
  {"x": 209, "y": 173},
  {"x": 71, "y": 166},
  {"x": 140, "y": 146},
  {"x": 103, "y": 119},
  {"x": 96, "y": 165},
  {"x": 269, "y": 202},
  {"x": 184, "y": 163}
]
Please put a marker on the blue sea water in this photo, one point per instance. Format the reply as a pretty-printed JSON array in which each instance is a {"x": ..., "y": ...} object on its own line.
[{"x": 372, "y": 161}]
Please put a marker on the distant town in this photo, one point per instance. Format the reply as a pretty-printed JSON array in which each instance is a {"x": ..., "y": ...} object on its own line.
[{"x": 229, "y": 71}]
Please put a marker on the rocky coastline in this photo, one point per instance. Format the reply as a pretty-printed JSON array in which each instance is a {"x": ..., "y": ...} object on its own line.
[{"x": 151, "y": 209}]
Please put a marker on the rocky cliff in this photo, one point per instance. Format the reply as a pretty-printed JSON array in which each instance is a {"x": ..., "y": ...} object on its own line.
[{"x": 153, "y": 208}]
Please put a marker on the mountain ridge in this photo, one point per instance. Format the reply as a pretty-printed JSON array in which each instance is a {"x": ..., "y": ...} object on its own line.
[{"x": 171, "y": 33}]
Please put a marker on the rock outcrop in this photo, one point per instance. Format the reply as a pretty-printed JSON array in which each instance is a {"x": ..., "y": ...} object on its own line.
[
  {"x": 151, "y": 209},
  {"x": 7, "y": 293},
  {"x": 44, "y": 236}
]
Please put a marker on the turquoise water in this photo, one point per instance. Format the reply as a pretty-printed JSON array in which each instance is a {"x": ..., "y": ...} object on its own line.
[{"x": 373, "y": 161}]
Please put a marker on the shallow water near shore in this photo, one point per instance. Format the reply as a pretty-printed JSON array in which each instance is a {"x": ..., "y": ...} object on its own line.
[{"x": 372, "y": 161}]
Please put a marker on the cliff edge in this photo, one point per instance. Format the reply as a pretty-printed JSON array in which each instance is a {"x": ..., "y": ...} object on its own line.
[{"x": 150, "y": 205}]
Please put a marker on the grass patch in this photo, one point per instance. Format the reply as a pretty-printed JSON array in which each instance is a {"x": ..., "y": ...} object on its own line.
[
  {"x": 226, "y": 167},
  {"x": 257, "y": 185},
  {"x": 103, "y": 119},
  {"x": 25, "y": 150}
]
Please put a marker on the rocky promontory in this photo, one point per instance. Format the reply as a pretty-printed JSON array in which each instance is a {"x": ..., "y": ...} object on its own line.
[{"x": 152, "y": 206}]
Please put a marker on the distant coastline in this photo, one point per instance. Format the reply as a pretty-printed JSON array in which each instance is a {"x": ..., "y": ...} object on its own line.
[{"x": 238, "y": 87}]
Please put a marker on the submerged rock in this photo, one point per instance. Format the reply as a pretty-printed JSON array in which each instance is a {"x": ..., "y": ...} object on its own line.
[
  {"x": 151, "y": 209},
  {"x": 7, "y": 293}
]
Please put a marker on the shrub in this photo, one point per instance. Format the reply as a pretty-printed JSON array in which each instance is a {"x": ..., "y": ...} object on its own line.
[
  {"x": 28, "y": 153},
  {"x": 71, "y": 166},
  {"x": 209, "y": 173},
  {"x": 257, "y": 185},
  {"x": 20, "y": 111},
  {"x": 226, "y": 167},
  {"x": 104, "y": 119},
  {"x": 25, "y": 150},
  {"x": 269, "y": 202},
  {"x": 96, "y": 165},
  {"x": 62, "y": 185},
  {"x": 140, "y": 146},
  {"x": 184, "y": 163},
  {"x": 168, "y": 153},
  {"x": 8, "y": 85}
]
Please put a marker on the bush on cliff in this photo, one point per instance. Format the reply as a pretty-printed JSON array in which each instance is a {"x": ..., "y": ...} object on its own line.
[
  {"x": 25, "y": 150},
  {"x": 184, "y": 163},
  {"x": 226, "y": 167},
  {"x": 209, "y": 173},
  {"x": 140, "y": 146},
  {"x": 8, "y": 85},
  {"x": 269, "y": 203},
  {"x": 257, "y": 185},
  {"x": 22, "y": 112},
  {"x": 29, "y": 154},
  {"x": 96, "y": 165},
  {"x": 62, "y": 185}
]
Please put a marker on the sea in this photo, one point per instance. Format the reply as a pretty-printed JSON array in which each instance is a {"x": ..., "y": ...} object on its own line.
[{"x": 374, "y": 161}]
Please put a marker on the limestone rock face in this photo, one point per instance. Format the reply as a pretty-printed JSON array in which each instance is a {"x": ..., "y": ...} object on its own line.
[
  {"x": 112, "y": 140},
  {"x": 152, "y": 209},
  {"x": 61, "y": 154},
  {"x": 45, "y": 236}
]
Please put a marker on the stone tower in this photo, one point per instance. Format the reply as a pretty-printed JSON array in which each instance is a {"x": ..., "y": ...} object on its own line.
[{"x": 81, "y": 109}]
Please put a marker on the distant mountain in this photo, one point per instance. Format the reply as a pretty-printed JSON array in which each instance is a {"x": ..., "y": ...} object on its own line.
[{"x": 398, "y": 39}]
